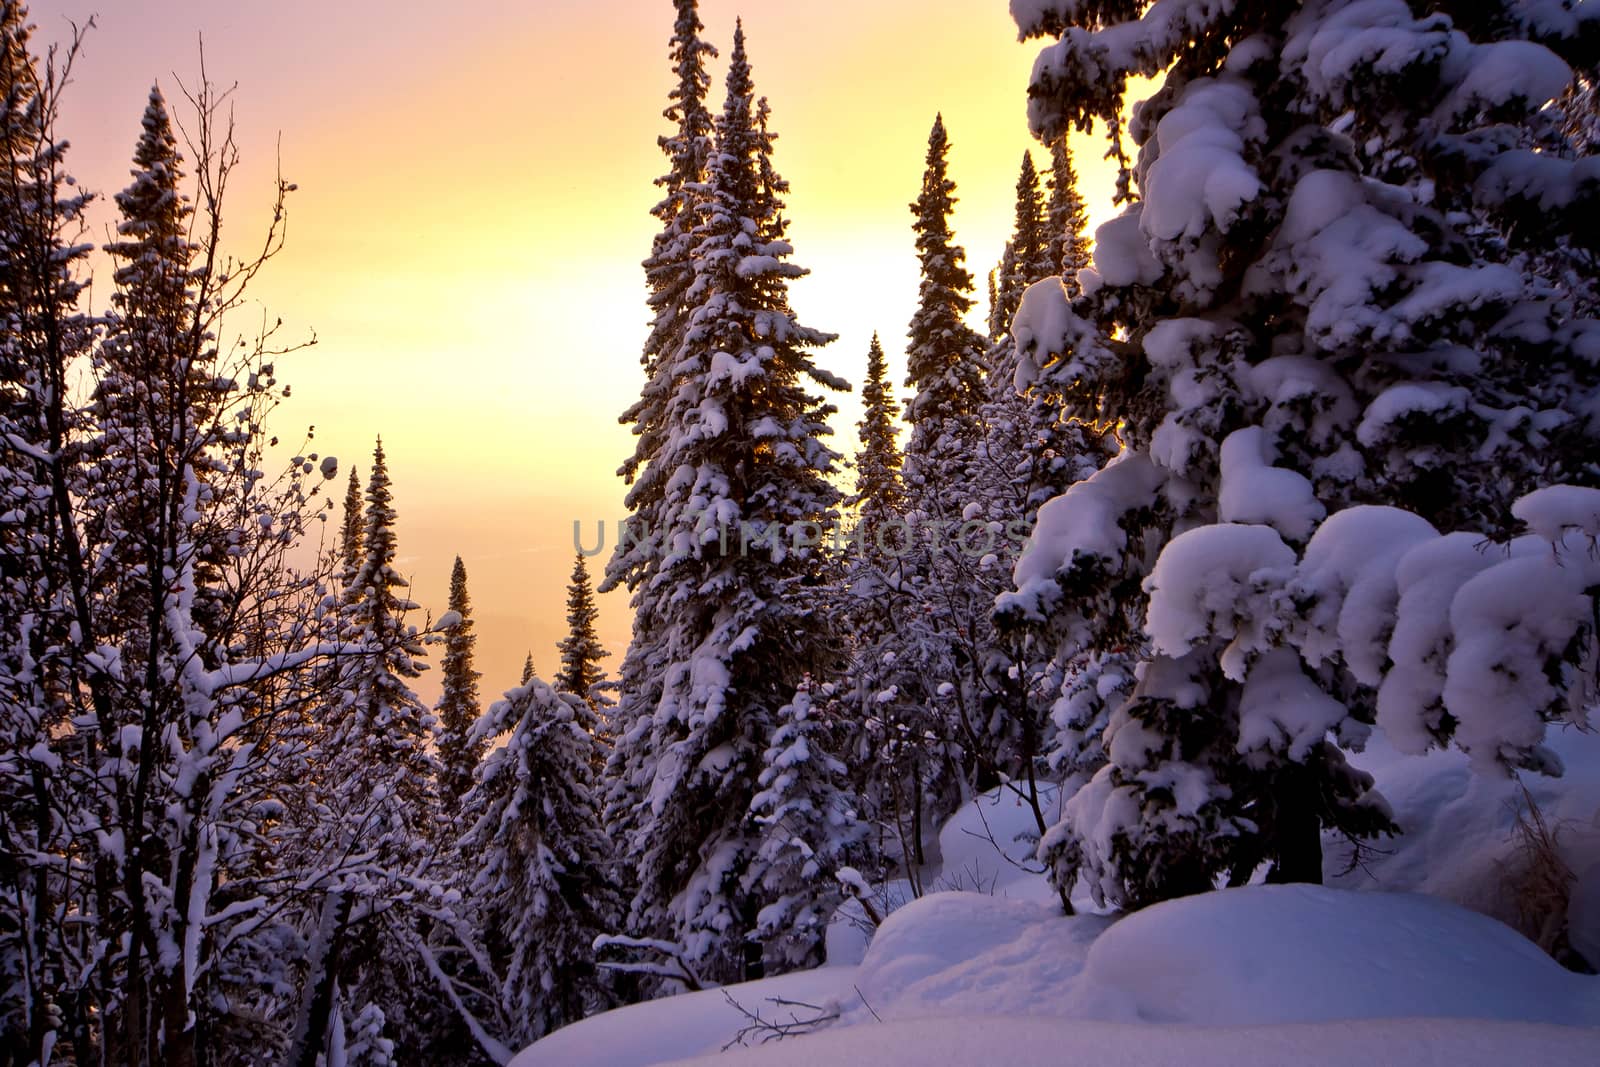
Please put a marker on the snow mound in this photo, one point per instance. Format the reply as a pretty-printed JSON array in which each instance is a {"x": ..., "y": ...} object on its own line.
[
  {"x": 1459, "y": 839},
  {"x": 1236, "y": 976},
  {"x": 1276, "y": 954},
  {"x": 974, "y": 954},
  {"x": 988, "y": 845},
  {"x": 672, "y": 1028},
  {"x": 959, "y": 1041},
  {"x": 1256, "y": 975}
]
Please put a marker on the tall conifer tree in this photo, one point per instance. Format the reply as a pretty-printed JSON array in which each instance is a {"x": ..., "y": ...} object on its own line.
[
  {"x": 879, "y": 495},
  {"x": 381, "y": 779},
  {"x": 1066, "y": 218},
  {"x": 386, "y": 728},
  {"x": 742, "y": 460},
  {"x": 1349, "y": 324},
  {"x": 1028, "y": 454},
  {"x": 1029, "y": 258},
  {"x": 669, "y": 273},
  {"x": 458, "y": 708},
  {"x": 350, "y": 529},
  {"x": 945, "y": 360},
  {"x": 544, "y": 880},
  {"x": 581, "y": 651}
]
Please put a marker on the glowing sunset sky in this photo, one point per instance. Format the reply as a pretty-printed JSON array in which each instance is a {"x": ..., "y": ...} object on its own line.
[{"x": 474, "y": 181}]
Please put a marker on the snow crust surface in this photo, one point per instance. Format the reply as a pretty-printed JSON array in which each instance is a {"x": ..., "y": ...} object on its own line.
[
  {"x": 1255, "y": 975},
  {"x": 961, "y": 1041}
]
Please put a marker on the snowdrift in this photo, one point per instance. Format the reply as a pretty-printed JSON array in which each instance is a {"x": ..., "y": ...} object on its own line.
[
  {"x": 953, "y": 978},
  {"x": 960, "y": 1042},
  {"x": 1397, "y": 961}
]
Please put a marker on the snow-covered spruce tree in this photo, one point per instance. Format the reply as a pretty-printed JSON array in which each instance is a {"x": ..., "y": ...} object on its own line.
[
  {"x": 745, "y": 478},
  {"x": 581, "y": 651},
  {"x": 1027, "y": 454},
  {"x": 152, "y": 324},
  {"x": 905, "y": 680},
  {"x": 42, "y": 335},
  {"x": 383, "y": 729},
  {"x": 635, "y": 562},
  {"x": 380, "y": 784},
  {"x": 1323, "y": 299},
  {"x": 1065, "y": 218},
  {"x": 812, "y": 835},
  {"x": 877, "y": 506},
  {"x": 545, "y": 882},
  {"x": 147, "y": 498},
  {"x": 1031, "y": 251},
  {"x": 879, "y": 496},
  {"x": 944, "y": 363},
  {"x": 350, "y": 528},
  {"x": 458, "y": 708},
  {"x": 183, "y": 641}
]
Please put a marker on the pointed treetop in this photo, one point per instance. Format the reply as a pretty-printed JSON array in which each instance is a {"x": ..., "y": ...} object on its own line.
[
  {"x": 460, "y": 599},
  {"x": 878, "y": 491},
  {"x": 943, "y": 363},
  {"x": 380, "y": 497},
  {"x": 1029, "y": 240},
  {"x": 459, "y": 708},
  {"x": 1067, "y": 219},
  {"x": 686, "y": 103},
  {"x": 152, "y": 246},
  {"x": 350, "y": 530},
  {"x": 933, "y": 205},
  {"x": 375, "y": 575},
  {"x": 740, "y": 85},
  {"x": 581, "y": 651},
  {"x": 527, "y": 669},
  {"x": 1028, "y": 257},
  {"x": 157, "y": 143}
]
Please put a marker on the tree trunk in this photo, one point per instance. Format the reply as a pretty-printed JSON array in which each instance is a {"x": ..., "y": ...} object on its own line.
[
  {"x": 1298, "y": 848},
  {"x": 316, "y": 1006},
  {"x": 918, "y": 854}
]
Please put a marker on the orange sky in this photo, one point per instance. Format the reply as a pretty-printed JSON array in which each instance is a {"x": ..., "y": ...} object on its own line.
[{"x": 474, "y": 181}]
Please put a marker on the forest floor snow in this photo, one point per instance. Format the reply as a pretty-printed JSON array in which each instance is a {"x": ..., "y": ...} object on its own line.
[{"x": 984, "y": 969}]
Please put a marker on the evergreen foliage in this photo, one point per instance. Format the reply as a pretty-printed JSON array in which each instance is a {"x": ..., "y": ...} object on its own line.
[
  {"x": 458, "y": 708},
  {"x": 581, "y": 651},
  {"x": 670, "y": 273},
  {"x": 1348, "y": 325},
  {"x": 351, "y": 547},
  {"x": 811, "y": 833},
  {"x": 743, "y": 466},
  {"x": 381, "y": 742},
  {"x": 1066, "y": 218},
  {"x": 879, "y": 495},
  {"x": 544, "y": 877},
  {"x": 945, "y": 360}
]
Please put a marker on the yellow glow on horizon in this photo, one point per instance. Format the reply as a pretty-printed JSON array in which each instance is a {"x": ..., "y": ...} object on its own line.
[{"x": 474, "y": 185}]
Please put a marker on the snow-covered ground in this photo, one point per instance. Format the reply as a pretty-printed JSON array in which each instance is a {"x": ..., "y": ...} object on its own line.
[
  {"x": 1458, "y": 842},
  {"x": 984, "y": 969}
]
